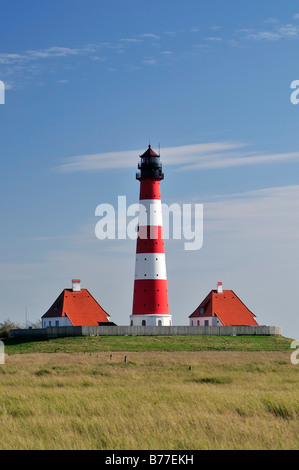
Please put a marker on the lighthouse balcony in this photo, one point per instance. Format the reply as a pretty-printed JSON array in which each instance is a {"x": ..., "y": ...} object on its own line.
[
  {"x": 150, "y": 173},
  {"x": 150, "y": 164}
]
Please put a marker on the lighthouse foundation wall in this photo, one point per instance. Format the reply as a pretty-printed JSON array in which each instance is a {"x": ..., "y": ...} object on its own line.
[{"x": 151, "y": 320}]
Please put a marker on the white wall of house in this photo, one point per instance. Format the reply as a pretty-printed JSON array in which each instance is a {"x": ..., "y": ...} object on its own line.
[
  {"x": 205, "y": 321},
  {"x": 56, "y": 321}
]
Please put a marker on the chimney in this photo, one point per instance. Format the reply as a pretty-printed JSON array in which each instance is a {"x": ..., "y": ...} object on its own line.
[
  {"x": 219, "y": 288},
  {"x": 76, "y": 285}
]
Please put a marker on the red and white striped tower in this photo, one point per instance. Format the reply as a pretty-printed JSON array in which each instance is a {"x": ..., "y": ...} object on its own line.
[{"x": 150, "y": 301}]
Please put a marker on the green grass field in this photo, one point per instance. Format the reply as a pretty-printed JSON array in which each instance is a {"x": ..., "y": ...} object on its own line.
[
  {"x": 149, "y": 343},
  {"x": 172, "y": 393}
]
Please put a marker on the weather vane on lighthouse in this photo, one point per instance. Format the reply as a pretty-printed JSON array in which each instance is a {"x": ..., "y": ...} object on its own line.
[{"x": 150, "y": 300}]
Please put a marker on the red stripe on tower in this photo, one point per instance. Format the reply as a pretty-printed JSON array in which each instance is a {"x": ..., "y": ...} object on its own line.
[{"x": 150, "y": 300}]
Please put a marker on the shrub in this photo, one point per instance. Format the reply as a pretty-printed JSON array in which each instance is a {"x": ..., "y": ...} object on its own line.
[
  {"x": 41, "y": 372},
  {"x": 214, "y": 380},
  {"x": 278, "y": 408},
  {"x": 5, "y": 328}
]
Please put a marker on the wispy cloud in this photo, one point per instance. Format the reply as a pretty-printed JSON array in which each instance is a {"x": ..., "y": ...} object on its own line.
[
  {"x": 52, "y": 52},
  {"x": 127, "y": 158},
  {"x": 254, "y": 214},
  {"x": 208, "y": 156},
  {"x": 170, "y": 33},
  {"x": 130, "y": 40},
  {"x": 276, "y": 33},
  {"x": 34, "y": 63},
  {"x": 6, "y": 58},
  {"x": 150, "y": 36},
  {"x": 263, "y": 36},
  {"x": 213, "y": 38},
  {"x": 149, "y": 61},
  {"x": 271, "y": 20},
  {"x": 237, "y": 159},
  {"x": 31, "y": 55}
]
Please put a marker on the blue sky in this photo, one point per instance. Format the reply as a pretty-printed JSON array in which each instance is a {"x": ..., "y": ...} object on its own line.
[{"x": 88, "y": 85}]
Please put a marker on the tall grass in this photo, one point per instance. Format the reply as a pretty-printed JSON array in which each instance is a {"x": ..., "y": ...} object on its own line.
[{"x": 164, "y": 401}]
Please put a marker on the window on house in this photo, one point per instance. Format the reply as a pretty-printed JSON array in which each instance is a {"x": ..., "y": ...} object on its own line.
[
  {"x": 143, "y": 323},
  {"x": 49, "y": 322},
  {"x": 160, "y": 323},
  {"x": 197, "y": 322},
  {"x": 201, "y": 310},
  {"x": 57, "y": 323},
  {"x": 206, "y": 322}
]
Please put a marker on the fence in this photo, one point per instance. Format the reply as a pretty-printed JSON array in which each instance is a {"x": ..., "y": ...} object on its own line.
[{"x": 62, "y": 331}]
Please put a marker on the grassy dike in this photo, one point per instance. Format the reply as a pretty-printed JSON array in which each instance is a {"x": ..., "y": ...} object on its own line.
[
  {"x": 92, "y": 344},
  {"x": 171, "y": 393}
]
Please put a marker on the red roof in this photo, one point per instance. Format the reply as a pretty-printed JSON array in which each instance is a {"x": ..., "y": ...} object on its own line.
[
  {"x": 227, "y": 307},
  {"x": 149, "y": 152},
  {"x": 80, "y": 308}
]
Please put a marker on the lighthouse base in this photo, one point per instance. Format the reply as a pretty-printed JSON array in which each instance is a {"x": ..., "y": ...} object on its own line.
[{"x": 151, "y": 320}]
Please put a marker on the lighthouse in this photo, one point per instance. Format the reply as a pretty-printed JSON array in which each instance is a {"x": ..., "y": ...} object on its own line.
[{"x": 150, "y": 299}]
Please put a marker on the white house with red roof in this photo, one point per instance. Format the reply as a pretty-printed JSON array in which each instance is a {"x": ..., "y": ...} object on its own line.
[
  {"x": 222, "y": 308},
  {"x": 75, "y": 307}
]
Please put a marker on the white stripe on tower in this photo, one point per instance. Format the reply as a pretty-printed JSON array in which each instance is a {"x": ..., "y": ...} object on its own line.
[
  {"x": 150, "y": 266},
  {"x": 150, "y": 213}
]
